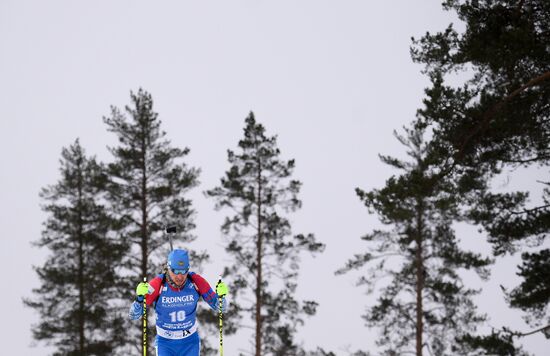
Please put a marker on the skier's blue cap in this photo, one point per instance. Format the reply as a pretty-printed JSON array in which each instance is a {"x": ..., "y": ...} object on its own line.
[{"x": 178, "y": 261}]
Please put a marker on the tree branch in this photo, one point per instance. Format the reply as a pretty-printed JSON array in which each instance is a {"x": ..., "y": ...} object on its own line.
[
  {"x": 489, "y": 114},
  {"x": 528, "y": 211},
  {"x": 528, "y": 160},
  {"x": 544, "y": 329}
]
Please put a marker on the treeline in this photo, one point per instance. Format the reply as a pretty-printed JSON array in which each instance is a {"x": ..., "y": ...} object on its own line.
[
  {"x": 105, "y": 220},
  {"x": 105, "y": 232}
]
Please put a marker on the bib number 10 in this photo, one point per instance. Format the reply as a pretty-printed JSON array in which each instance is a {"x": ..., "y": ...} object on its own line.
[{"x": 177, "y": 316}]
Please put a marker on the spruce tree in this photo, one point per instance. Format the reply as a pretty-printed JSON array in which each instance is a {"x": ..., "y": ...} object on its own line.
[
  {"x": 497, "y": 120},
  {"x": 148, "y": 187},
  {"x": 77, "y": 293},
  {"x": 258, "y": 189},
  {"x": 415, "y": 265}
]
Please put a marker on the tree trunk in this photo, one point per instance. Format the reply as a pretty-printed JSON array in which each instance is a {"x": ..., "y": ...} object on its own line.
[
  {"x": 80, "y": 272},
  {"x": 419, "y": 281},
  {"x": 259, "y": 269}
]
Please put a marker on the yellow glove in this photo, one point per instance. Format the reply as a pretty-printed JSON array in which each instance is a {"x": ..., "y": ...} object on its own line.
[
  {"x": 221, "y": 288},
  {"x": 142, "y": 289}
]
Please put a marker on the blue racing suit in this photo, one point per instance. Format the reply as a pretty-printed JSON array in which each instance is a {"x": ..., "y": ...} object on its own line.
[{"x": 176, "y": 323}]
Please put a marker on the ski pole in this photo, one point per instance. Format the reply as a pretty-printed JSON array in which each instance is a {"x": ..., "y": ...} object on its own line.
[
  {"x": 221, "y": 328},
  {"x": 220, "y": 316},
  {"x": 144, "y": 322}
]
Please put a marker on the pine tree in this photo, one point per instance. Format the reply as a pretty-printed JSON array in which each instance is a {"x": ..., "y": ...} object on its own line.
[
  {"x": 258, "y": 189},
  {"x": 424, "y": 302},
  {"x": 77, "y": 282},
  {"x": 499, "y": 119},
  {"x": 147, "y": 190}
]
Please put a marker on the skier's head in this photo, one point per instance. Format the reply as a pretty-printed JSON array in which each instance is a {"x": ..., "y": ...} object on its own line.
[
  {"x": 178, "y": 266},
  {"x": 178, "y": 261}
]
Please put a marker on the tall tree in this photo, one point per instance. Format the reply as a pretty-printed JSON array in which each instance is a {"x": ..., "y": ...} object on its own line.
[
  {"x": 148, "y": 188},
  {"x": 258, "y": 189},
  {"x": 79, "y": 277},
  {"x": 424, "y": 303},
  {"x": 499, "y": 119}
]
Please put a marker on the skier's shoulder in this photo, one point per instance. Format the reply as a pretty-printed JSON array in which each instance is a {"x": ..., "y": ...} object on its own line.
[
  {"x": 200, "y": 283},
  {"x": 157, "y": 282},
  {"x": 195, "y": 277},
  {"x": 156, "y": 286}
]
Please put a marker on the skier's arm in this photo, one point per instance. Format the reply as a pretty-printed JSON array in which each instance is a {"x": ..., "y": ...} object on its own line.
[
  {"x": 206, "y": 292},
  {"x": 136, "y": 309}
]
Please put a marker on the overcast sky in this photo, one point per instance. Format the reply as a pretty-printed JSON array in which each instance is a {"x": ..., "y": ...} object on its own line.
[{"x": 332, "y": 79}]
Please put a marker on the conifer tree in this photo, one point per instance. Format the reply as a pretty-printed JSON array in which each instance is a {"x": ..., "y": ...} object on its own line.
[
  {"x": 77, "y": 282},
  {"x": 148, "y": 190},
  {"x": 423, "y": 303},
  {"x": 258, "y": 189},
  {"x": 497, "y": 120}
]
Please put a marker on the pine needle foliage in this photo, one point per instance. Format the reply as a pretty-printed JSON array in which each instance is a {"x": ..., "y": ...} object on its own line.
[{"x": 78, "y": 281}]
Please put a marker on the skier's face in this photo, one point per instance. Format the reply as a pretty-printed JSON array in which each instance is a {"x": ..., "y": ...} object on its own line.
[{"x": 179, "y": 279}]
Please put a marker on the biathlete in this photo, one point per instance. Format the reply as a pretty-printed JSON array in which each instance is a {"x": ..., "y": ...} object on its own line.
[{"x": 174, "y": 295}]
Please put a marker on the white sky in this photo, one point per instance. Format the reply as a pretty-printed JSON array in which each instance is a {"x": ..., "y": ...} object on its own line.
[{"x": 332, "y": 79}]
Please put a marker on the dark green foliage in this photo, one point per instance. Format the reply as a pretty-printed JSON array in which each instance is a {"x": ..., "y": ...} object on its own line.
[
  {"x": 501, "y": 114},
  {"x": 499, "y": 119},
  {"x": 77, "y": 293},
  {"x": 147, "y": 190},
  {"x": 258, "y": 189},
  {"x": 496, "y": 343},
  {"x": 423, "y": 301},
  {"x": 320, "y": 352},
  {"x": 534, "y": 292},
  {"x": 508, "y": 222}
]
